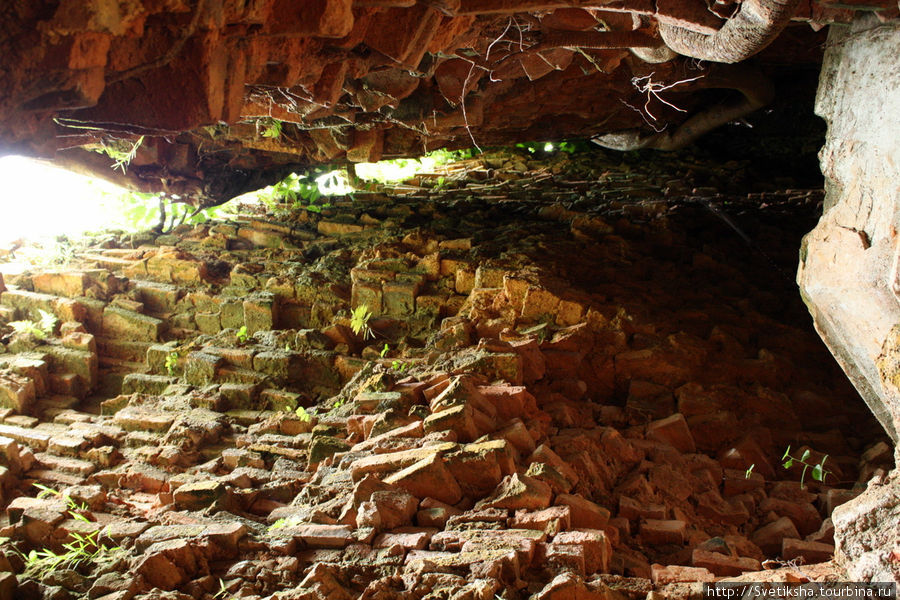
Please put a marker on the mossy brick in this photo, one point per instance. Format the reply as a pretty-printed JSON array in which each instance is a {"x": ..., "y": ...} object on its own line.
[
  {"x": 200, "y": 368},
  {"x": 198, "y": 495},
  {"x": 156, "y": 356},
  {"x": 428, "y": 310},
  {"x": 33, "y": 365},
  {"x": 67, "y": 360},
  {"x": 16, "y": 392},
  {"x": 539, "y": 304},
  {"x": 260, "y": 312},
  {"x": 27, "y": 304},
  {"x": 464, "y": 281},
  {"x": 91, "y": 311},
  {"x": 231, "y": 314},
  {"x": 158, "y": 297},
  {"x": 324, "y": 446},
  {"x": 282, "y": 287},
  {"x": 240, "y": 395},
  {"x": 276, "y": 363},
  {"x": 399, "y": 298},
  {"x": 229, "y": 374},
  {"x": 243, "y": 276},
  {"x": 279, "y": 400},
  {"x": 316, "y": 369},
  {"x": 123, "y": 349},
  {"x": 209, "y": 323},
  {"x": 169, "y": 268},
  {"x": 261, "y": 239},
  {"x": 69, "y": 284},
  {"x": 237, "y": 357},
  {"x": 369, "y": 402},
  {"x": 489, "y": 277},
  {"x": 202, "y": 301},
  {"x": 118, "y": 322},
  {"x": 507, "y": 366},
  {"x": 142, "y": 383},
  {"x": 367, "y": 294}
]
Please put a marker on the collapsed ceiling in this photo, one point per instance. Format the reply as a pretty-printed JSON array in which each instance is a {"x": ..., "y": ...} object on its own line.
[{"x": 208, "y": 99}]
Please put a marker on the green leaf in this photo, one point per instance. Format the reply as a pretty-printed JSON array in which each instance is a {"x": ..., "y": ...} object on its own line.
[
  {"x": 786, "y": 453},
  {"x": 817, "y": 473},
  {"x": 789, "y": 463},
  {"x": 805, "y": 456}
]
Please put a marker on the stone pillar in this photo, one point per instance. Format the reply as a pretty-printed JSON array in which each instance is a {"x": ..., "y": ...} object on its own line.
[{"x": 850, "y": 263}]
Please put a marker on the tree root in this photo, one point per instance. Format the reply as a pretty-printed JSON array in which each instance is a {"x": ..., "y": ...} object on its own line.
[
  {"x": 757, "y": 91},
  {"x": 755, "y": 26}
]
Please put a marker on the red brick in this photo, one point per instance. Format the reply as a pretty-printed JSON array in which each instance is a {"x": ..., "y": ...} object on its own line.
[
  {"x": 657, "y": 532},
  {"x": 723, "y": 566},
  {"x": 597, "y": 548},
  {"x": 674, "y": 431},
  {"x": 810, "y": 552}
]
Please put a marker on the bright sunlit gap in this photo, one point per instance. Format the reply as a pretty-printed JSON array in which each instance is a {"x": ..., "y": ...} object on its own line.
[{"x": 39, "y": 201}]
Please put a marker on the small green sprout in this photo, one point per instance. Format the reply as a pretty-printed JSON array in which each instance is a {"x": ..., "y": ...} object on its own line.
[
  {"x": 385, "y": 350},
  {"x": 749, "y": 471},
  {"x": 359, "y": 321},
  {"x": 171, "y": 363},
  {"x": 223, "y": 590},
  {"x": 242, "y": 334},
  {"x": 303, "y": 414},
  {"x": 280, "y": 523},
  {"x": 818, "y": 469}
]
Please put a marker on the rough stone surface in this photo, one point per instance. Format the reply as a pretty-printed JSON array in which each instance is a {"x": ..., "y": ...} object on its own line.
[{"x": 850, "y": 264}]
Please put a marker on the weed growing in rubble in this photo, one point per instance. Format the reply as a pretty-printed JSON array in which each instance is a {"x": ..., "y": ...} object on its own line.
[
  {"x": 303, "y": 414},
  {"x": 359, "y": 321},
  {"x": 242, "y": 335},
  {"x": 73, "y": 505},
  {"x": 83, "y": 549},
  {"x": 223, "y": 590},
  {"x": 171, "y": 363},
  {"x": 39, "y": 329},
  {"x": 818, "y": 469}
]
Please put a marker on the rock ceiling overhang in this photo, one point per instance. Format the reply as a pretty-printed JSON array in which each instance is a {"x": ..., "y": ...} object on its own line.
[{"x": 198, "y": 82}]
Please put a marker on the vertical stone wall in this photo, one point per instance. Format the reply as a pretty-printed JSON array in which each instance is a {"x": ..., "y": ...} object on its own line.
[
  {"x": 850, "y": 264},
  {"x": 848, "y": 271}
]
